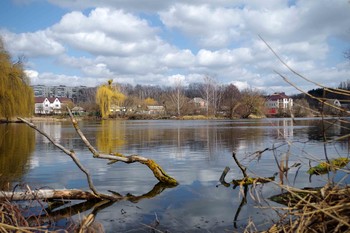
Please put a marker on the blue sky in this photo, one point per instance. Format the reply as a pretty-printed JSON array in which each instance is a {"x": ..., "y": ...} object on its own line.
[{"x": 157, "y": 42}]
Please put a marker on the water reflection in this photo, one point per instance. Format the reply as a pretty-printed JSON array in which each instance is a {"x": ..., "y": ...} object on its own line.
[
  {"x": 111, "y": 136},
  {"x": 284, "y": 128},
  {"x": 183, "y": 137},
  {"x": 17, "y": 142},
  {"x": 195, "y": 153}
]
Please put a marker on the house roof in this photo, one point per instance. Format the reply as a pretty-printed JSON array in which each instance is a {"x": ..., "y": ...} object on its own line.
[
  {"x": 51, "y": 99},
  {"x": 277, "y": 96}
]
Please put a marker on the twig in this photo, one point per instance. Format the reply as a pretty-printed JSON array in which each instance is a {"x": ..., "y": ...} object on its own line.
[
  {"x": 338, "y": 91},
  {"x": 311, "y": 96},
  {"x": 243, "y": 169}
]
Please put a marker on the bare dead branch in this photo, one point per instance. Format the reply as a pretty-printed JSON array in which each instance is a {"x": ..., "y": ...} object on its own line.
[
  {"x": 158, "y": 172},
  {"x": 243, "y": 169},
  {"x": 311, "y": 96},
  {"x": 338, "y": 91},
  {"x": 71, "y": 154}
]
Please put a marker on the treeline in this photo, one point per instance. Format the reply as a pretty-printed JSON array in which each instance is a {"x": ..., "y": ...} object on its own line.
[
  {"x": 201, "y": 98},
  {"x": 16, "y": 96},
  {"x": 224, "y": 100}
]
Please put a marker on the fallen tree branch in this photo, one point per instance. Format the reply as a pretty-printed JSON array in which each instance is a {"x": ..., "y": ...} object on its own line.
[
  {"x": 47, "y": 194},
  {"x": 71, "y": 154},
  {"x": 158, "y": 172}
]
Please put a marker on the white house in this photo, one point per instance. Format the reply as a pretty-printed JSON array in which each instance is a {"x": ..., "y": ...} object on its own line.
[
  {"x": 278, "y": 101},
  {"x": 44, "y": 105}
]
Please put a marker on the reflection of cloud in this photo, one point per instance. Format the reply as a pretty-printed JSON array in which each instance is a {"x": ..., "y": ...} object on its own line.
[
  {"x": 34, "y": 162},
  {"x": 206, "y": 149},
  {"x": 208, "y": 176}
]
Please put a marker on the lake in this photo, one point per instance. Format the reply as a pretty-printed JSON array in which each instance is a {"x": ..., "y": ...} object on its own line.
[{"x": 193, "y": 152}]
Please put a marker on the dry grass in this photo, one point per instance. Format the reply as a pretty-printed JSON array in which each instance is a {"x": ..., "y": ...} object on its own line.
[
  {"x": 13, "y": 220},
  {"x": 318, "y": 210}
]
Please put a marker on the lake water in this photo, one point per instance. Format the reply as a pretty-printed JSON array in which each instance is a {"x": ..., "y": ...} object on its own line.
[{"x": 193, "y": 152}]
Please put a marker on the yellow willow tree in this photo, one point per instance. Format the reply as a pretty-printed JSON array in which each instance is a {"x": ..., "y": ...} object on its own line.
[
  {"x": 108, "y": 95},
  {"x": 16, "y": 96}
]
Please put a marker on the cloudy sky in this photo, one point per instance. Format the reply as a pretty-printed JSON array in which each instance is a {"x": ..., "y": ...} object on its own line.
[{"x": 155, "y": 42}]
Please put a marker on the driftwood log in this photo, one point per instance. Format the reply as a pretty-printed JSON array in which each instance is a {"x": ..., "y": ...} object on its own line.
[{"x": 48, "y": 194}]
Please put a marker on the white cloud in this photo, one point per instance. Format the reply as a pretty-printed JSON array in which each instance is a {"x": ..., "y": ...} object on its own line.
[
  {"x": 106, "y": 32},
  {"x": 179, "y": 59},
  {"x": 51, "y": 79},
  {"x": 241, "y": 85},
  {"x": 214, "y": 27},
  {"x": 221, "y": 58},
  {"x": 131, "y": 5},
  {"x": 97, "y": 70},
  {"x": 32, "y": 75},
  {"x": 149, "y": 43},
  {"x": 34, "y": 44},
  {"x": 176, "y": 79}
]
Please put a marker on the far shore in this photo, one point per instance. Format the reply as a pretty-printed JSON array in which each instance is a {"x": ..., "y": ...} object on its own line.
[{"x": 60, "y": 118}]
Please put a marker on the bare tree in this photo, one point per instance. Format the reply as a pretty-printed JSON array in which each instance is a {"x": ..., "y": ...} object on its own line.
[
  {"x": 231, "y": 99},
  {"x": 252, "y": 102},
  {"x": 177, "y": 97},
  {"x": 208, "y": 92}
]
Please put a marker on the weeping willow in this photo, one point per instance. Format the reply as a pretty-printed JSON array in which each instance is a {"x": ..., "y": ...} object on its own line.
[
  {"x": 17, "y": 143},
  {"x": 108, "y": 95},
  {"x": 16, "y": 96}
]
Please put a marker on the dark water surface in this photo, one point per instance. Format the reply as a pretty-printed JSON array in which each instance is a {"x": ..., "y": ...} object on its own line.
[{"x": 193, "y": 152}]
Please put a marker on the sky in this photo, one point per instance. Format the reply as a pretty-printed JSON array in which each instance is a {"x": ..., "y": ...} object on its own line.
[{"x": 157, "y": 42}]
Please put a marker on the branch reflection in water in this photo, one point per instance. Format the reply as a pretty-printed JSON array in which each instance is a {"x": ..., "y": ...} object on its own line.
[{"x": 57, "y": 210}]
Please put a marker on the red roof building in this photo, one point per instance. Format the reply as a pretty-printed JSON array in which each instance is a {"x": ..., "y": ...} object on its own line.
[{"x": 277, "y": 102}]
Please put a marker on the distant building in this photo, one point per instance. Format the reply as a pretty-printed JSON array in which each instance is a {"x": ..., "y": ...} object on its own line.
[
  {"x": 44, "y": 105},
  {"x": 156, "y": 110},
  {"x": 41, "y": 91},
  {"x": 199, "y": 102},
  {"x": 78, "y": 111},
  {"x": 74, "y": 93},
  {"x": 278, "y": 102}
]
